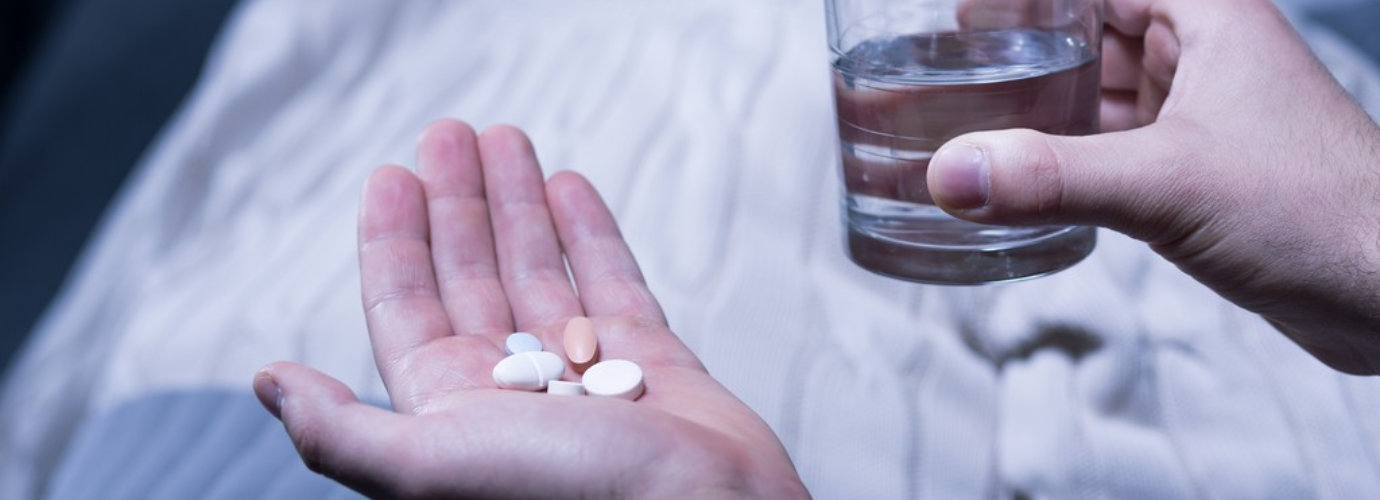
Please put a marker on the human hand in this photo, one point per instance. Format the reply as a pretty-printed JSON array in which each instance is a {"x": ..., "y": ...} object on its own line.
[
  {"x": 1230, "y": 150},
  {"x": 453, "y": 262}
]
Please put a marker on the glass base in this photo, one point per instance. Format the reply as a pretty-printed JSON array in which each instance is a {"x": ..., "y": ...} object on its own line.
[{"x": 939, "y": 249}]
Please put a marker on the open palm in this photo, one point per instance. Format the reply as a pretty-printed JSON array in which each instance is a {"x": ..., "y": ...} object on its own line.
[{"x": 452, "y": 262}]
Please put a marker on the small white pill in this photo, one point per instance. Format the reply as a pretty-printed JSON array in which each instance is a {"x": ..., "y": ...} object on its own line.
[
  {"x": 521, "y": 342},
  {"x": 617, "y": 378},
  {"x": 528, "y": 371},
  {"x": 565, "y": 388}
]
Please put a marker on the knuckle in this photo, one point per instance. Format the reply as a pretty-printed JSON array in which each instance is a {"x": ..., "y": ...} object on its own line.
[
  {"x": 1036, "y": 190},
  {"x": 1048, "y": 177}
]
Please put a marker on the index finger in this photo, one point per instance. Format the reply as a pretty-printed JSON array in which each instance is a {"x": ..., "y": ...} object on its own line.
[
  {"x": 402, "y": 304},
  {"x": 1008, "y": 14}
]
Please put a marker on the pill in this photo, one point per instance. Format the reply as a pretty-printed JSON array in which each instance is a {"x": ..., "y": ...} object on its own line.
[
  {"x": 580, "y": 340},
  {"x": 565, "y": 388},
  {"x": 528, "y": 371},
  {"x": 521, "y": 342},
  {"x": 618, "y": 378}
]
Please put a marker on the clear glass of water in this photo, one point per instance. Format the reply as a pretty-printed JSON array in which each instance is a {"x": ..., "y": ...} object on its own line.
[{"x": 908, "y": 76}]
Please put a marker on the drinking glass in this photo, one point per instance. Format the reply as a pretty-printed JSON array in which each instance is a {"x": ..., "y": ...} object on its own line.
[{"x": 908, "y": 76}]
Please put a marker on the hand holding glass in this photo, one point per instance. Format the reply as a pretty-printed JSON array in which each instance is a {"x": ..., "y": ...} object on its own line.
[{"x": 912, "y": 75}]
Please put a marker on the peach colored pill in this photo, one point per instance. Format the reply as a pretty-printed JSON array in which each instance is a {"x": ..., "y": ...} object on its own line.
[{"x": 580, "y": 341}]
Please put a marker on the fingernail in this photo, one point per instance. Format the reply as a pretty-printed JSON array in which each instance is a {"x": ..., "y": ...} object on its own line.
[
  {"x": 962, "y": 177},
  {"x": 269, "y": 394}
]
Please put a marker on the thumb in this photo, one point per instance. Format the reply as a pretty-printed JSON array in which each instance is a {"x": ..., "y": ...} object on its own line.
[
  {"x": 336, "y": 435},
  {"x": 1135, "y": 182}
]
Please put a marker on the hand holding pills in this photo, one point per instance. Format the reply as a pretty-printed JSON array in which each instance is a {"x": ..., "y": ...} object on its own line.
[
  {"x": 531, "y": 369},
  {"x": 505, "y": 376}
]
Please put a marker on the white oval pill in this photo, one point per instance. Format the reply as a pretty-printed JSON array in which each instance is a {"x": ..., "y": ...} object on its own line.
[
  {"x": 617, "y": 378},
  {"x": 521, "y": 342},
  {"x": 564, "y": 388},
  {"x": 528, "y": 371}
]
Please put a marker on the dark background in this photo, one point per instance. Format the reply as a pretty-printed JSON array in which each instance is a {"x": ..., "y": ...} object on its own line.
[{"x": 85, "y": 85}]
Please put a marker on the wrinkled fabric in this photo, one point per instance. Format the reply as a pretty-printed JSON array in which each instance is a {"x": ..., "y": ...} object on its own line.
[{"x": 708, "y": 128}]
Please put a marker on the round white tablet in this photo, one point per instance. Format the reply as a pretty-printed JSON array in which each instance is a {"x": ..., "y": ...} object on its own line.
[
  {"x": 564, "y": 388},
  {"x": 617, "y": 378},
  {"x": 521, "y": 342},
  {"x": 528, "y": 371}
]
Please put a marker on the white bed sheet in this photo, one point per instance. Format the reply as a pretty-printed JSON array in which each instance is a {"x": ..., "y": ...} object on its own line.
[{"x": 708, "y": 127}]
